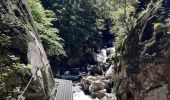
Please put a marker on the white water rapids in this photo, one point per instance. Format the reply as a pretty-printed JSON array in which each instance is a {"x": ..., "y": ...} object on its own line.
[
  {"x": 78, "y": 94},
  {"x": 81, "y": 96}
]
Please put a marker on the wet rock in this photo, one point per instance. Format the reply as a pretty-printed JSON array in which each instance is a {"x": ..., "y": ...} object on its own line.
[
  {"x": 99, "y": 94},
  {"x": 108, "y": 85},
  {"x": 110, "y": 51},
  {"x": 77, "y": 88},
  {"x": 85, "y": 87},
  {"x": 88, "y": 79},
  {"x": 110, "y": 72},
  {"x": 96, "y": 70},
  {"x": 111, "y": 96},
  {"x": 104, "y": 98},
  {"x": 96, "y": 99},
  {"x": 97, "y": 85},
  {"x": 107, "y": 97},
  {"x": 85, "y": 84},
  {"x": 104, "y": 66}
]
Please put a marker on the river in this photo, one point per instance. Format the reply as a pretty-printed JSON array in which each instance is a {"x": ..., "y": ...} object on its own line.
[{"x": 78, "y": 93}]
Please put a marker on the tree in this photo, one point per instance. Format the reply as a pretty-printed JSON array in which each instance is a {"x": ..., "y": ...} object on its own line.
[
  {"x": 80, "y": 22},
  {"x": 51, "y": 41}
]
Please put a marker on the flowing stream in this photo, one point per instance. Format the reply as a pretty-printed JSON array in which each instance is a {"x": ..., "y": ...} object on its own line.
[{"x": 78, "y": 93}]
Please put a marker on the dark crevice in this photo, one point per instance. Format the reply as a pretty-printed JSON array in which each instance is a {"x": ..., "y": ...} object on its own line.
[
  {"x": 147, "y": 34},
  {"x": 159, "y": 36},
  {"x": 17, "y": 13},
  {"x": 23, "y": 56}
]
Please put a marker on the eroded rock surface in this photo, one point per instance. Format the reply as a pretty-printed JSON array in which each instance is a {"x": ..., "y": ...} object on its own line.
[
  {"x": 16, "y": 22},
  {"x": 98, "y": 86},
  {"x": 145, "y": 58}
]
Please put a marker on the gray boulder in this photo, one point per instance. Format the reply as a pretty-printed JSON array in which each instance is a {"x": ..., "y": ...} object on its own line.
[
  {"x": 99, "y": 94},
  {"x": 110, "y": 72},
  {"x": 96, "y": 70},
  {"x": 96, "y": 85}
]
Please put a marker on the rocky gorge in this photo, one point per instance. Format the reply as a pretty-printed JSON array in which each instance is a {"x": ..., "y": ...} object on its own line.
[
  {"x": 113, "y": 50},
  {"x": 137, "y": 71},
  {"x": 95, "y": 82}
]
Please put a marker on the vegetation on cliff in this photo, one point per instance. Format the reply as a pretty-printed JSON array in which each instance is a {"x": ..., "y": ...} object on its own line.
[
  {"x": 51, "y": 41},
  {"x": 79, "y": 29}
]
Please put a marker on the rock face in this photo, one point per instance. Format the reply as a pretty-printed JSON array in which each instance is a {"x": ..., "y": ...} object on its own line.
[
  {"x": 145, "y": 58},
  {"x": 16, "y": 22},
  {"x": 98, "y": 86},
  {"x": 109, "y": 72}
]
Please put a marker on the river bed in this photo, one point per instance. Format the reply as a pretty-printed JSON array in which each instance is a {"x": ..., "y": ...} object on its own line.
[{"x": 78, "y": 94}]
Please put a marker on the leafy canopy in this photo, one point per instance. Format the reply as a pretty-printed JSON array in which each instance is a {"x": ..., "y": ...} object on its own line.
[{"x": 51, "y": 41}]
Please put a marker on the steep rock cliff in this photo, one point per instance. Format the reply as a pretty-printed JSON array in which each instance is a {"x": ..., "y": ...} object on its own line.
[
  {"x": 145, "y": 55},
  {"x": 17, "y": 23}
]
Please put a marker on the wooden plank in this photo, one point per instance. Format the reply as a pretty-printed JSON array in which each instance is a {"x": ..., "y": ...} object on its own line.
[{"x": 64, "y": 90}]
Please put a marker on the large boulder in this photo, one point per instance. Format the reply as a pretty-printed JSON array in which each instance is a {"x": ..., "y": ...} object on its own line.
[
  {"x": 97, "y": 85},
  {"x": 104, "y": 66},
  {"x": 110, "y": 72},
  {"x": 99, "y": 94},
  {"x": 86, "y": 81},
  {"x": 96, "y": 70}
]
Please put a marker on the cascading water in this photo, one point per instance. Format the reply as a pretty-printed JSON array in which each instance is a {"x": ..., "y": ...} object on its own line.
[
  {"x": 78, "y": 94},
  {"x": 102, "y": 56}
]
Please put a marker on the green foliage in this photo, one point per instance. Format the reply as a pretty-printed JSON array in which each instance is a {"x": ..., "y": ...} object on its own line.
[
  {"x": 161, "y": 27},
  {"x": 12, "y": 79},
  {"x": 81, "y": 22},
  {"x": 158, "y": 27},
  {"x": 168, "y": 28},
  {"x": 123, "y": 16},
  {"x": 52, "y": 43},
  {"x": 23, "y": 69},
  {"x": 4, "y": 40},
  {"x": 16, "y": 91},
  {"x": 119, "y": 43},
  {"x": 124, "y": 21},
  {"x": 12, "y": 75}
]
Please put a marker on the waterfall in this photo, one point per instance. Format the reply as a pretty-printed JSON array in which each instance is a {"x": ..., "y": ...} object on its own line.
[{"x": 102, "y": 56}]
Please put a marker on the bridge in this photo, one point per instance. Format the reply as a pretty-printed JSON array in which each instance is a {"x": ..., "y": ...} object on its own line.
[{"x": 64, "y": 89}]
